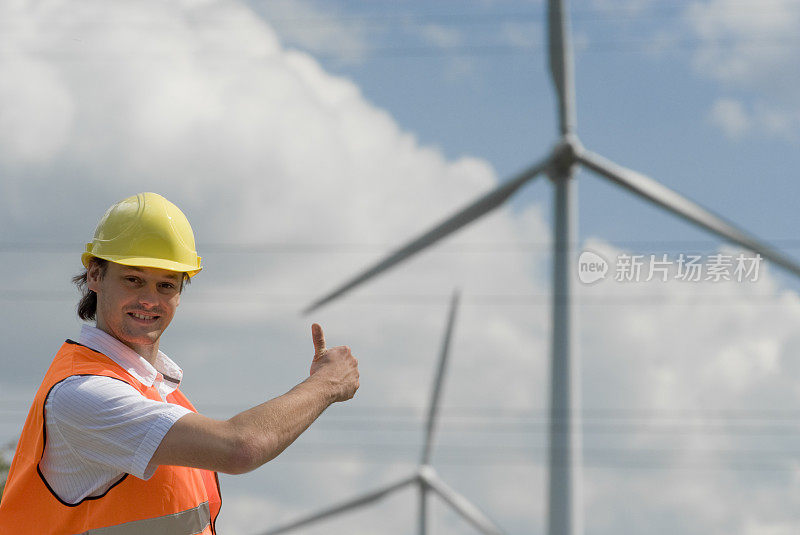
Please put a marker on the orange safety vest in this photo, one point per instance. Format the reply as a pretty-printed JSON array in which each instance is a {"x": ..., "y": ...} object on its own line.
[{"x": 176, "y": 500}]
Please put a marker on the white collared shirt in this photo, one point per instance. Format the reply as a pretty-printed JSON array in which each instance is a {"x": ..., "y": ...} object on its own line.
[{"x": 99, "y": 428}]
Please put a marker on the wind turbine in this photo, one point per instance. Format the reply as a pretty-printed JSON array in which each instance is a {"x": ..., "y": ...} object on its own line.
[
  {"x": 425, "y": 478},
  {"x": 564, "y": 451}
]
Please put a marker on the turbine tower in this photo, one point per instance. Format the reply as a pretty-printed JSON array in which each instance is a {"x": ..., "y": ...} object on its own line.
[
  {"x": 425, "y": 478},
  {"x": 564, "y": 451}
]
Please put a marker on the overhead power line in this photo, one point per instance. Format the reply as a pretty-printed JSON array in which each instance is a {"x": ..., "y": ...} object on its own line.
[
  {"x": 449, "y": 16},
  {"x": 381, "y": 419},
  {"x": 424, "y": 299},
  {"x": 633, "y": 46},
  {"x": 623, "y": 462},
  {"x": 274, "y": 247},
  {"x": 597, "y": 458}
]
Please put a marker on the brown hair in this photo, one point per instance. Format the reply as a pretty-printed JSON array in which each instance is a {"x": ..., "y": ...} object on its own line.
[{"x": 87, "y": 306}]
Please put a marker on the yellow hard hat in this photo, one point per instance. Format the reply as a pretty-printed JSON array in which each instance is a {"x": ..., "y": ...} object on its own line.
[{"x": 145, "y": 230}]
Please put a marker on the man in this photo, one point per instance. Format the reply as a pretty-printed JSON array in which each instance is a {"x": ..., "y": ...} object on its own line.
[{"x": 111, "y": 446}]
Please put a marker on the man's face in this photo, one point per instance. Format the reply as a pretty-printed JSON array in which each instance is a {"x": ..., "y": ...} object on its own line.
[{"x": 135, "y": 304}]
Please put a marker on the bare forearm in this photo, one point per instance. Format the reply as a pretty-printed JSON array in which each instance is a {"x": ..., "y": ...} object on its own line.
[
  {"x": 258, "y": 435},
  {"x": 271, "y": 427}
]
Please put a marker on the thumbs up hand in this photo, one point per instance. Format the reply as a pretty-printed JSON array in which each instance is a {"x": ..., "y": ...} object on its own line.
[
  {"x": 319, "y": 346},
  {"x": 335, "y": 368}
]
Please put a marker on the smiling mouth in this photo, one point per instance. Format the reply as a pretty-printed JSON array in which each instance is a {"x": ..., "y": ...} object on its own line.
[{"x": 142, "y": 317}]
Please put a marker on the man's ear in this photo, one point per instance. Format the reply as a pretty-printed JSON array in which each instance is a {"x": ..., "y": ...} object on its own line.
[{"x": 93, "y": 276}]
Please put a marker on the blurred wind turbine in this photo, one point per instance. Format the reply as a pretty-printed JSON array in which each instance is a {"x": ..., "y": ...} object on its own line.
[
  {"x": 564, "y": 452},
  {"x": 425, "y": 478}
]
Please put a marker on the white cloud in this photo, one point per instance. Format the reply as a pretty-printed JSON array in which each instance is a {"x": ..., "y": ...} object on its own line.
[
  {"x": 736, "y": 119},
  {"x": 689, "y": 362},
  {"x": 746, "y": 44},
  {"x": 753, "y": 47},
  {"x": 441, "y": 36},
  {"x": 256, "y": 144},
  {"x": 36, "y": 129},
  {"x": 447, "y": 38},
  {"x": 522, "y": 35},
  {"x": 626, "y": 6},
  {"x": 778, "y": 121},
  {"x": 755, "y": 527},
  {"x": 730, "y": 116},
  {"x": 315, "y": 27}
]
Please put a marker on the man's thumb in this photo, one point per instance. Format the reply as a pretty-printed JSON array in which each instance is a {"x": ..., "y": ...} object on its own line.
[{"x": 319, "y": 340}]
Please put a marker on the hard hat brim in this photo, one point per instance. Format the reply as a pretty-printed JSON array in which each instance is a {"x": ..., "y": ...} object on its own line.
[{"x": 158, "y": 263}]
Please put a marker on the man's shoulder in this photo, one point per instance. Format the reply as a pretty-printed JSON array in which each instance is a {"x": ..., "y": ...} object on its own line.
[
  {"x": 80, "y": 396},
  {"x": 74, "y": 358}
]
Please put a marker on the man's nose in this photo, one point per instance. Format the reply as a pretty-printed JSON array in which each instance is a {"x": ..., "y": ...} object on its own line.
[{"x": 148, "y": 296}]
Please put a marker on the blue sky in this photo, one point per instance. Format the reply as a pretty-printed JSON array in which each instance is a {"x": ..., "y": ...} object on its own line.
[
  {"x": 305, "y": 139},
  {"x": 471, "y": 79}
]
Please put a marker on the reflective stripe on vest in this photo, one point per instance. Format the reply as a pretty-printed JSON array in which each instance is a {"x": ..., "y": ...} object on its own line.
[{"x": 184, "y": 523}]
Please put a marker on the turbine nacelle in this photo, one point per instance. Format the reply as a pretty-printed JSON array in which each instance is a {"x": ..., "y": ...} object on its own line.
[{"x": 564, "y": 157}]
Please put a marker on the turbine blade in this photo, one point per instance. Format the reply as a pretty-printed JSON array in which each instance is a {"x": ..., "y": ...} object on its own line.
[
  {"x": 560, "y": 51},
  {"x": 466, "y": 215},
  {"x": 354, "y": 503},
  {"x": 462, "y": 505},
  {"x": 674, "y": 202},
  {"x": 433, "y": 410}
]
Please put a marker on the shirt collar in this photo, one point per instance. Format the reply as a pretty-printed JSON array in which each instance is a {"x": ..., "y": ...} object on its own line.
[{"x": 130, "y": 360}]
